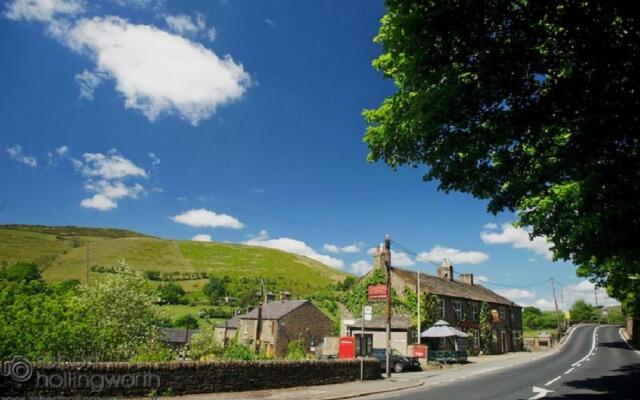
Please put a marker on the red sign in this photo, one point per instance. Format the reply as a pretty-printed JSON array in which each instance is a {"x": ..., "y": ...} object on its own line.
[
  {"x": 377, "y": 292},
  {"x": 347, "y": 347},
  {"x": 420, "y": 351}
]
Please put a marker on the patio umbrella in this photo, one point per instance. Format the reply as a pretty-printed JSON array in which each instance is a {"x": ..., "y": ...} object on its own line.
[{"x": 442, "y": 329}]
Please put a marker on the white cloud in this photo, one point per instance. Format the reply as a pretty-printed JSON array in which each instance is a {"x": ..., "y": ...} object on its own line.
[
  {"x": 135, "y": 3},
  {"x": 585, "y": 290},
  {"x": 360, "y": 267},
  {"x": 185, "y": 25},
  {"x": 201, "y": 238},
  {"x": 293, "y": 246},
  {"x": 42, "y": 10},
  {"x": 532, "y": 259},
  {"x": 351, "y": 248},
  {"x": 269, "y": 22},
  {"x": 490, "y": 225},
  {"x": 16, "y": 153},
  {"x": 516, "y": 293},
  {"x": 401, "y": 259},
  {"x": 155, "y": 160},
  {"x": 157, "y": 72},
  {"x": 108, "y": 166},
  {"x": 544, "y": 304},
  {"x": 205, "y": 218},
  {"x": 99, "y": 202},
  {"x": 88, "y": 82},
  {"x": 107, "y": 176},
  {"x": 481, "y": 278},
  {"x": 438, "y": 253},
  {"x": 62, "y": 150},
  {"x": 519, "y": 239}
]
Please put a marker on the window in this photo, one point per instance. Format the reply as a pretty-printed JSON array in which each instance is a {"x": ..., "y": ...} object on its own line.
[
  {"x": 245, "y": 327},
  {"x": 494, "y": 336},
  {"x": 474, "y": 311},
  {"x": 516, "y": 338},
  {"x": 501, "y": 312},
  {"x": 476, "y": 338},
  {"x": 512, "y": 317},
  {"x": 364, "y": 348},
  {"x": 457, "y": 309},
  {"x": 441, "y": 309}
]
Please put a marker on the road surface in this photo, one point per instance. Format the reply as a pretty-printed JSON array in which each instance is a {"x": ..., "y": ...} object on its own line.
[{"x": 595, "y": 363}]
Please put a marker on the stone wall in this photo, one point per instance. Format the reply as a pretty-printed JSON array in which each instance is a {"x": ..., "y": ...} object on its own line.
[{"x": 124, "y": 379}]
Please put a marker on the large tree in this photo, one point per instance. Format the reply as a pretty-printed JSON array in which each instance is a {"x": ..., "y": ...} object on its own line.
[{"x": 532, "y": 105}]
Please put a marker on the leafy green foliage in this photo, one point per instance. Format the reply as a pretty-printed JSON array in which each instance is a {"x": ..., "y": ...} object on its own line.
[
  {"x": 216, "y": 288},
  {"x": 530, "y": 105},
  {"x": 296, "y": 350},
  {"x": 485, "y": 328},
  {"x": 357, "y": 297},
  {"x": 429, "y": 306},
  {"x": 583, "y": 312},
  {"x": 171, "y": 293},
  {"x": 188, "y": 321},
  {"x": 534, "y": 319},
  {"x": 204, "y": 345},
  {"x": 21, "y": 272}
]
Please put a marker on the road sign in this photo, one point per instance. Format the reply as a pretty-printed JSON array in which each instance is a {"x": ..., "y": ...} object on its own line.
[
  {"x": 377, "y": 292},
  {"x": 368, "y": 311}
]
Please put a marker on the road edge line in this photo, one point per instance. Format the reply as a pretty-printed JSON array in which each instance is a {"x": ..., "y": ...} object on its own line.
[{"x": 626, "y": 341}]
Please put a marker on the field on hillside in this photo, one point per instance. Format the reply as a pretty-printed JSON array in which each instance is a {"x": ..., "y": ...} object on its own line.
[{"x": 62, "y": 253}]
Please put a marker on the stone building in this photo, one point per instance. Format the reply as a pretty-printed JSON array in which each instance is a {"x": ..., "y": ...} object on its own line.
[
  {"x": 460, "y": 304},
  {"x": 284, "y": 321},
  {"x": 227, "y": 330}
]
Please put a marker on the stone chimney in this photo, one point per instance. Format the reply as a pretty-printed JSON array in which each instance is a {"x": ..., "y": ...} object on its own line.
[
  {"x": 269, "y": 297},
  {"x": 446, "y": 271},
  {"x": 285, "y": 296},
  {"x": 466, "y": 278},
  {"x": 378, "y": 257}
]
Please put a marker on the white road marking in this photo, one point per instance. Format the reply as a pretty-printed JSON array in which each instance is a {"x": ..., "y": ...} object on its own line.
[
  {"x": 593, "y": 348},
  {"x": 568, "y": 371},
  {"x": 541, "y": 392},
  {"x": 553, "y": 380},
  {"x": 626, "y": 341}
]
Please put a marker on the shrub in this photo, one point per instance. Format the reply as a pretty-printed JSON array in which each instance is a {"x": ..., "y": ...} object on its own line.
[
  {"x": 21, "y": 272},
  {"x": 296, "y": 350}
]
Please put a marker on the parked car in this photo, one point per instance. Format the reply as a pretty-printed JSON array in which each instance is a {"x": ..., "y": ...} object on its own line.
[{"x": 399, "y": 362}]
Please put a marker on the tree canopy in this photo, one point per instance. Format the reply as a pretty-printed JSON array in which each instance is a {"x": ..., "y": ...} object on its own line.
[{"x": 532, "y": 106}]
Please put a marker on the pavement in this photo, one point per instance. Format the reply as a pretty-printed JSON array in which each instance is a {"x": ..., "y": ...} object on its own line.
[{"x": 383, "y": 387}]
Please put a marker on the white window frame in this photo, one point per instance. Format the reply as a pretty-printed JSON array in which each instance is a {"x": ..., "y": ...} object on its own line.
[
  {"x": 457, "y": 309},
  {"x": 474, "y": 311},
  {"x": 502, "y": 313},
  {"x": 442, "y": 310},
  {"x": 476, "y": 338}
]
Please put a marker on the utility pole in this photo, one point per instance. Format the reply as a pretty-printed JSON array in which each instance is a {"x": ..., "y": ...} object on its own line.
[
  {"x": 387, "y": 264},
  {"x": 259, "y": 321},
  {"x": 564, "y": 310},
  {"x": 595, "y": 293},
  {"x": 418, "y": 296},
  {"x": 86, "y": 260},
  {"x": 555, "y": 302}
]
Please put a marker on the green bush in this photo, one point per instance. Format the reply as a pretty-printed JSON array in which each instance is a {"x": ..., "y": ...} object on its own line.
[
  {"x": 296, "y": 350},
  {"x": 21, "y": 272}
]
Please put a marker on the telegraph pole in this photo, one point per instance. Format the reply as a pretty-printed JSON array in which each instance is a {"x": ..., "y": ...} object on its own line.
[
  {"x": 259, "y": 321},
  {"x": 555, "y": 302},
  {"x": 86, "y": 260},
  {"x": 387, "y": 264},
  {"x": 418, "y": 296},
  {"x": 595, "y": 293}
]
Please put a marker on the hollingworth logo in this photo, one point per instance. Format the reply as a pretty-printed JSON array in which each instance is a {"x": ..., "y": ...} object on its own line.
[{"x": 18, "y": 369}]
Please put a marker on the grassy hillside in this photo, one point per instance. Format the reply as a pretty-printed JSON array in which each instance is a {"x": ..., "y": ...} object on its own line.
[{"x": 61, "y": 253}]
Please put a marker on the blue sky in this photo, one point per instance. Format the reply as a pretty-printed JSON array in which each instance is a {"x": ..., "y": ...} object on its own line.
[{"x": 239, "y": 120}]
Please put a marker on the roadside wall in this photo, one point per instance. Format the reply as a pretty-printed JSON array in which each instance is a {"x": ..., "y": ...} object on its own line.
[{"x": 124, "y": 379}]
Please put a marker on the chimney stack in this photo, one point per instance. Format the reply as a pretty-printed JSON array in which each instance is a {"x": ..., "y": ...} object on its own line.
[
  {"x": 446, "y": 271},
  {"x": 284, "y": 296},
  {"x": 466, "y": 278}
]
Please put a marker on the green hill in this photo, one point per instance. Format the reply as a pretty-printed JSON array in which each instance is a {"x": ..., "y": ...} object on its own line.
[{"x": 62, "y": 253}]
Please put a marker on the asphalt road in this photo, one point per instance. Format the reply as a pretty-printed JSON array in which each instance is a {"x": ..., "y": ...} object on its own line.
[{"x": 595, "y": 363}]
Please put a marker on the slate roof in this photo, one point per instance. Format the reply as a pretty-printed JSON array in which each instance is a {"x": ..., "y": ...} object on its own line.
[
  {"x": 232, "y": 323},
  {"x": 177, "y": 335},
  {"x": 397, "y": 322},
  {"x": 275, "y": 309},
  {"x": 446, "y": 287}
]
